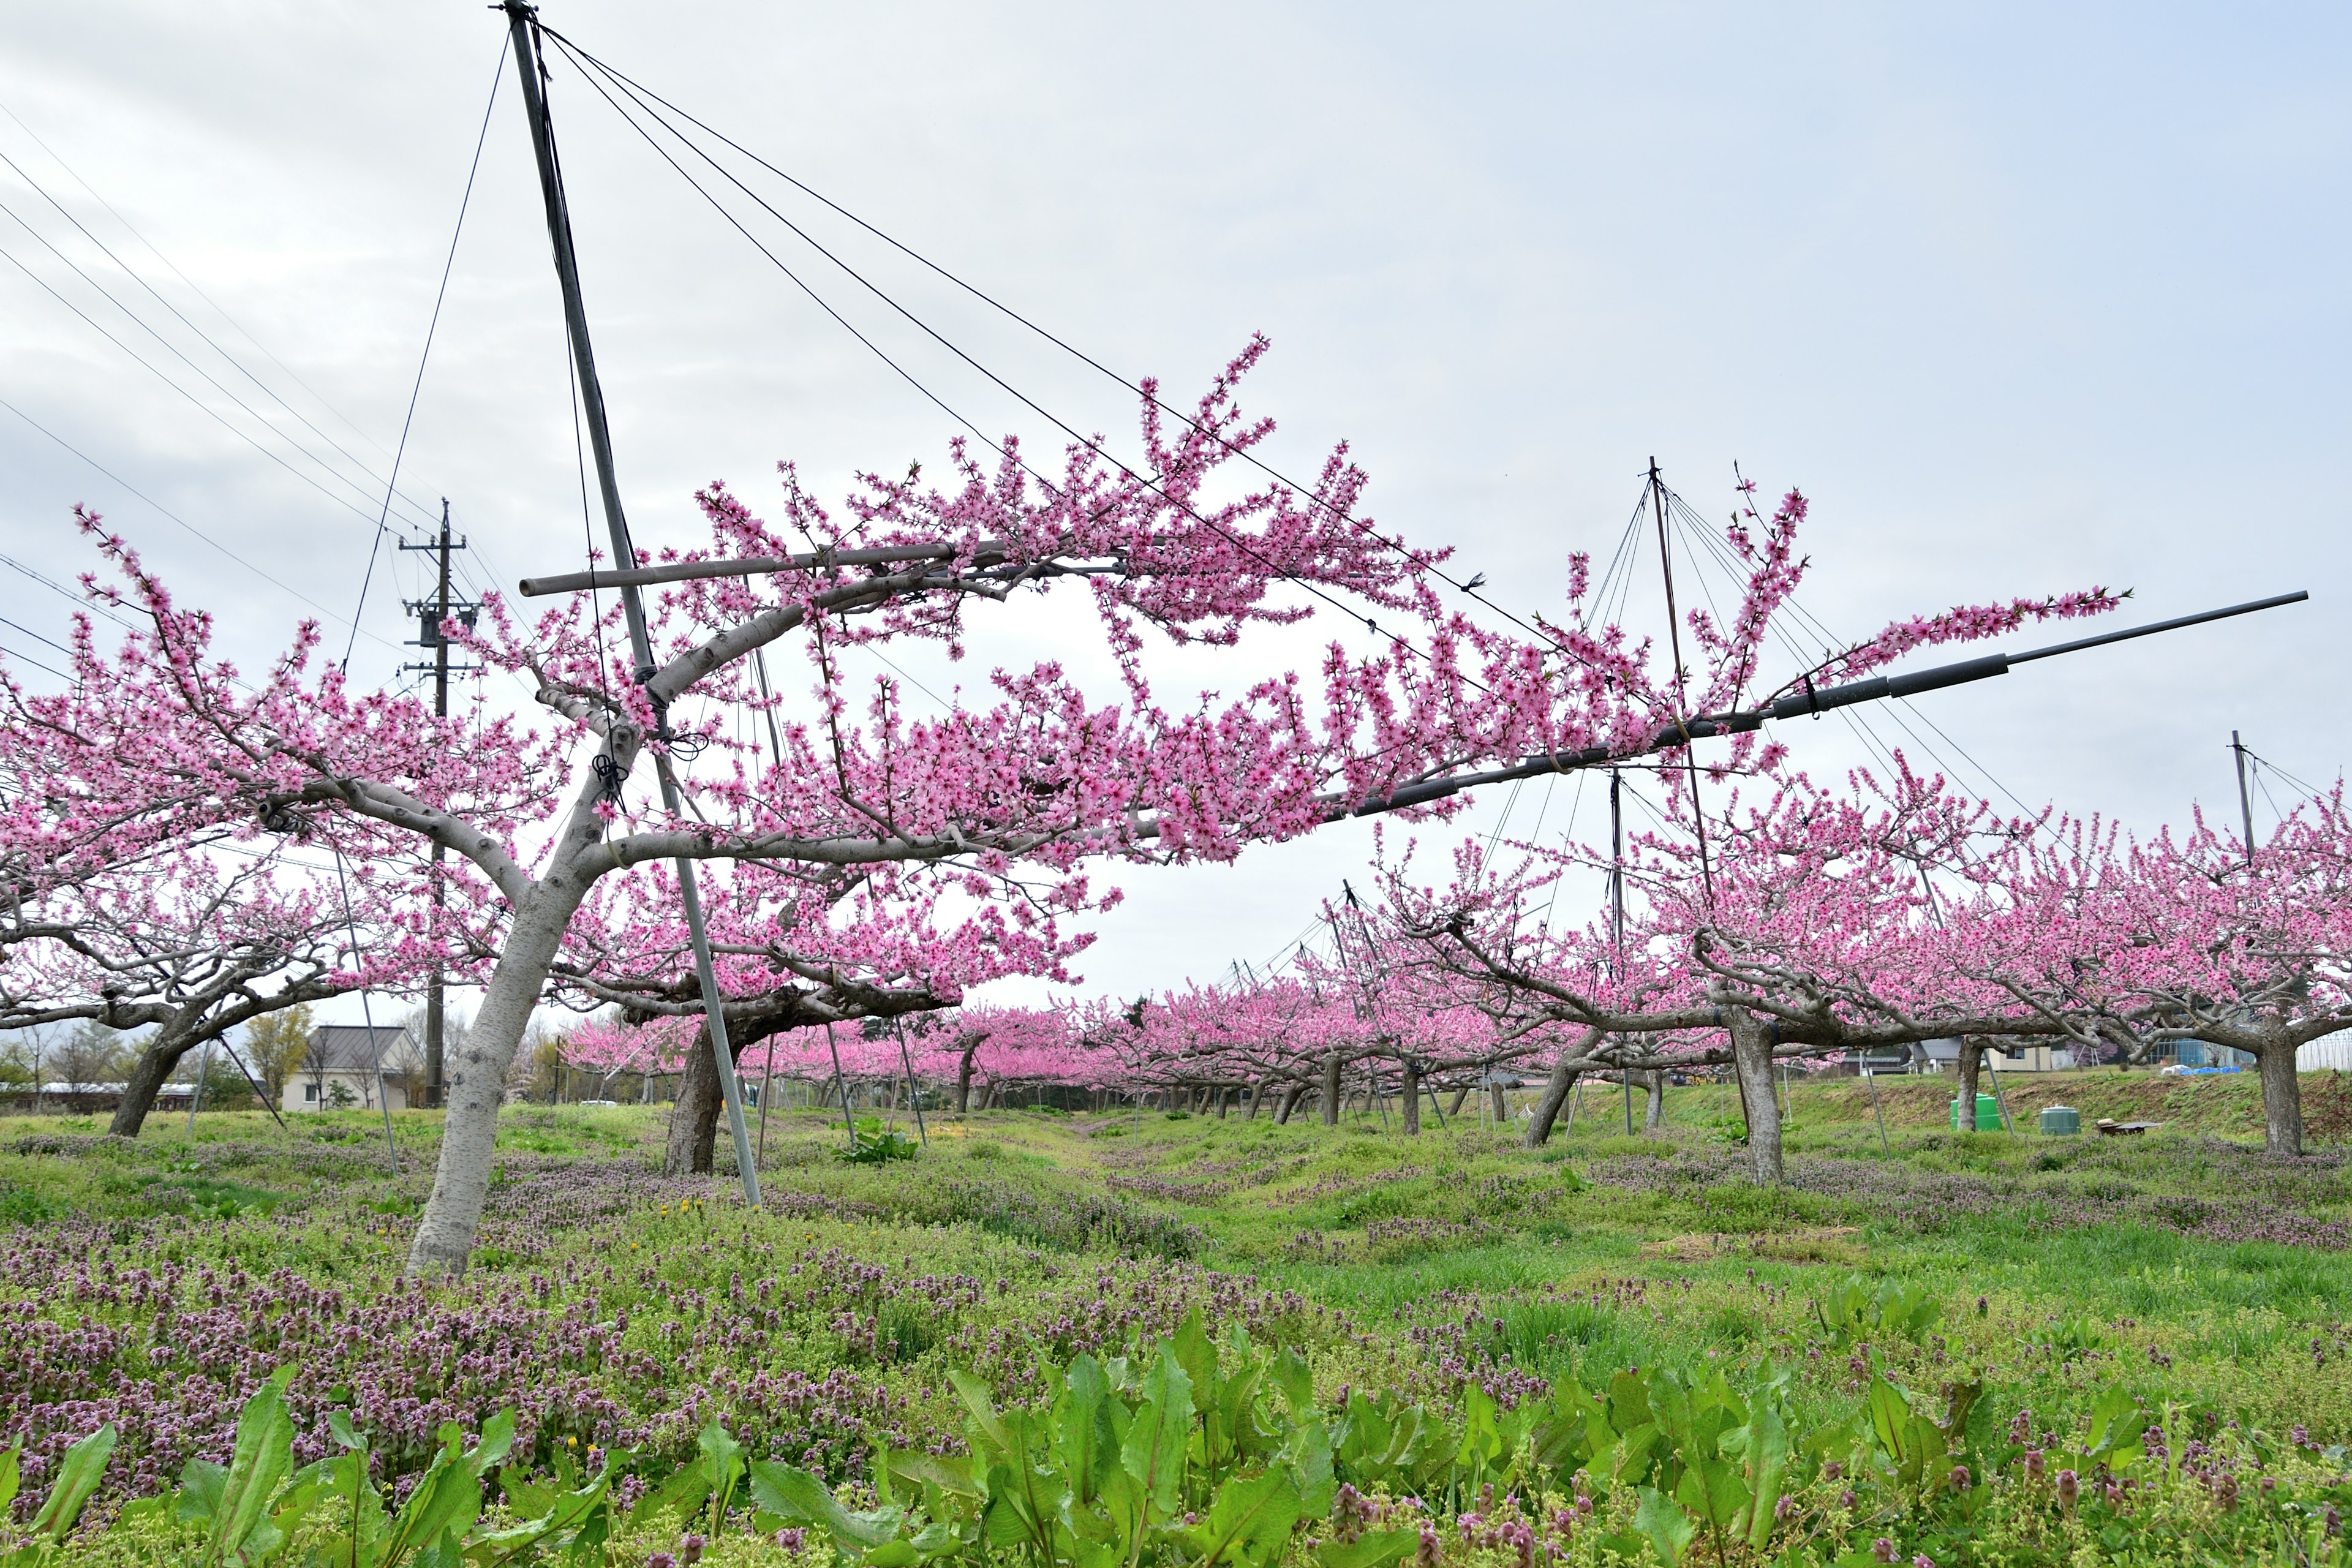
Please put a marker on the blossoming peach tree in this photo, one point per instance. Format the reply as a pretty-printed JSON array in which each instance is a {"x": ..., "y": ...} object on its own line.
[{"x": 1002, "y": 805}]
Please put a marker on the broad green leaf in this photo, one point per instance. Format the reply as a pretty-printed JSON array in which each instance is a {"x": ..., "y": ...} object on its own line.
[
  {"x": 1155, "y": 1438},
  {"x": 932, "y": 1469},
  {"x": 791, "y": 1491},
  {"x": 497, "y": 1438},
  {"x": 1890, "y": 1419},
  {"x": 1249, "y": 1520},
  {"x": 338, "y": 1423},
  {"x": 9, "y": 1477},
  {"x": 682, "y": 1492},
  {"x": 78, "y": 1476},
  {"x": 448, "y": 1499},
  {"x": 1296, "y": 1379},
  {"x": 1081, "y": 1431},
  {"x": 1198, "y": 1356},
  {"x": 1767, "y": 1453},
  {"x": 722, "y": 1463},
  {"x": 262, "y": 1457},
  {"x": 1664, "y": 1525},
  {"x": 1629, "y": 1403},
  {"x": 982, "y": 1406},
  {"x": 1373, "y": 1549},
  {"x": 1308, "y": 1454},
  {"x": 199, "y": 1498},
  {"x": 570, "y": 1510},
  {"x": 1713, "y": 1490},
  {"x": 1482, "y": 1439}
]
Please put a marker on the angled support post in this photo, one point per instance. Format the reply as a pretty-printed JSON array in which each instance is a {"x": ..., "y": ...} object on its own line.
[{"x": 524, "y": 21}]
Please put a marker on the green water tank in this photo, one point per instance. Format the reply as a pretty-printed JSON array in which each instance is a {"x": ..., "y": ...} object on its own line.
[
  {"x": 2060, "y": 1121},
  {"x": 1987, "y": 1113}
]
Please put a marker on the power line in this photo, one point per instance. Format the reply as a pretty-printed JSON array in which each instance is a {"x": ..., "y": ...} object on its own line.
[
  {"x": 1403, "y": 643},
  {"x": 170, "y": 347},
  {"x": 375, "y": 542},
  {"x": 213, "y": 414},
  {"x": 176, "y": 517},
  {"x": 197, "y": 289},
  {"x": 638, "y": 93}
]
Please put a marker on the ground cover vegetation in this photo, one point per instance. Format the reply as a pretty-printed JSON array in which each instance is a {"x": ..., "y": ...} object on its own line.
[
  {"x": 1353, "y": 1347},
  {"x": 1177, "y": 1322}
]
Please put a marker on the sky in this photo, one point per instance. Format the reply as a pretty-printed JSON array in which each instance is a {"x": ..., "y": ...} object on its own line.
[{"x": 2024, "y": 299}]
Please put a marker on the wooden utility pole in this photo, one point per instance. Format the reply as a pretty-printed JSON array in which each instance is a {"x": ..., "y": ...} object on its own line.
[
  {"x": 433, "y": 614},
  {"x": 2245, "y": 801},
  {"x": 524, "y": 22}
]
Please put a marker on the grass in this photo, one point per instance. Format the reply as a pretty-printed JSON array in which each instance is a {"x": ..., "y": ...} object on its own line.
[{"x": 2183, "y": 1265}]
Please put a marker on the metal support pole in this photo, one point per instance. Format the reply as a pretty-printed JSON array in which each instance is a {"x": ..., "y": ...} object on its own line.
[
  {"x": 528, "y": 62},
  {"x": 767, "y": 1083},
  {"x": 367, "y": 1016},
  {"x": 914, "y": 1093},
  {"x": 840, "y": 1087},
  {"x": 1875, "y": 1109},
  {"x": 203, "y": 1066},
  {"x": 2000, "y": 1100}
]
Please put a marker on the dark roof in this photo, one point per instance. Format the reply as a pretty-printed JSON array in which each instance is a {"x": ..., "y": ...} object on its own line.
[{"x": 347, "y": 1047}]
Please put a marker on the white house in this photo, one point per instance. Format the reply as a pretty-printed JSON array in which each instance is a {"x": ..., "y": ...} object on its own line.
[{"x": 343, "y": 1064}]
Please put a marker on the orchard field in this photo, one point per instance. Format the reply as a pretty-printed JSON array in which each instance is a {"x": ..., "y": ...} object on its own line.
[{"x": 1971, "y": 1348}]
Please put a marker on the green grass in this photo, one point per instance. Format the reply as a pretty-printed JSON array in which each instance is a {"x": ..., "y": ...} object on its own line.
[{"x": 2059, "y": 1268}]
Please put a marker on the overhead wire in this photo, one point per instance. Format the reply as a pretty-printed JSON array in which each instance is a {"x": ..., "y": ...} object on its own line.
[
  {"x": 177, "y": 518},
  {"x": 213, "y": 414},
  {"x": 197, "y": 289},
  {"x": 638, "y": 92},
  {"x": 448, "y": 265},
  {"x": 1403, "y": 643}
]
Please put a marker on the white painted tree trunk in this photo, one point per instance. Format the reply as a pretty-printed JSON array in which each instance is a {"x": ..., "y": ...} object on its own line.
[
  {"x": 475, "y": 1076},
  {"x": 1751, "y": 1059}
]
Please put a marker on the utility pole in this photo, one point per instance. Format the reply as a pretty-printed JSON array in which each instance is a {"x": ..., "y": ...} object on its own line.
[
  {"x": 1675, "y": 639},
  {"x": 1617, "y": 911},
  {"x": 2245, "y": 801},
  {"x": 431, "y": 614},
  {"x": 524, "y": 22}
]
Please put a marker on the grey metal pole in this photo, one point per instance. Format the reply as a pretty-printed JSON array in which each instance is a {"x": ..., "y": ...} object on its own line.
[
  {"x": 841, "y": 1088},
  {"x": 203, "y": 1066},
  {"x": 367, "y": 1016},
  {"x": 2245, "y": 801},
  {"x": 2000, "y": 1100},
  {"x": 1875, "y": 1109},
  {"x": 528, "y": 63},
  {"x": 914, "y": 1093}
]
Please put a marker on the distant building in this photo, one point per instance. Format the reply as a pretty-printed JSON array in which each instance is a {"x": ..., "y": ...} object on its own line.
[
  {"x": 2000, "y": 1055},
  {"x": 343, "y": 1064},
  {"x": 84, "y": 1099}
]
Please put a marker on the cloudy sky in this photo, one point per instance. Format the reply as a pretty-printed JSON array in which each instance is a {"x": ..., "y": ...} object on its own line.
[{"x": 2025, "y": 300}]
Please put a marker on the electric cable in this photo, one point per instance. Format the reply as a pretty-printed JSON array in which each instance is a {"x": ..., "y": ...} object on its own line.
[
  {"x": 175, "y": 517},
  {"x": 194, "y": 287},
  {"x": 375, "y": 543},
  {"x": 1155, "y": 487},
  {"x": 638, "y": 93},
  {"x": 173, "y": 350}
]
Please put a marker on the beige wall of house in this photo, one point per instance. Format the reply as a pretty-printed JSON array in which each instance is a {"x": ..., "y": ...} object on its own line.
[{"x": 316, "y": 1091}]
